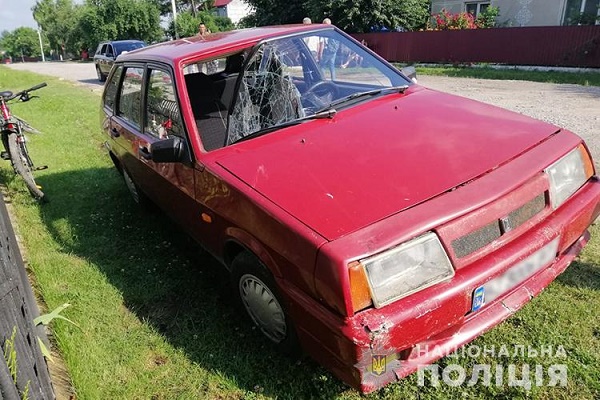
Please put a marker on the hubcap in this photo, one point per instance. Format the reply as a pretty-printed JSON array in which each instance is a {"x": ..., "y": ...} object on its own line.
[
  {"x": 263, "y": 307},
  {"x": 131, "y": 187}
]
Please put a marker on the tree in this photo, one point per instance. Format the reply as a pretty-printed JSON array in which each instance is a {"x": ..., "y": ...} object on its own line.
[
  {"x": 58, "y": 20},
  {"x": 275, "y": 12},
  {"x": 187, "y": 24},
  {"x": 367, "y": 15},
  {"x": 350, "y": 15},
  {"x": 118, "y": 20},
  {"x": 191, "y": 6},
  {"x": 22, "y": 42}
]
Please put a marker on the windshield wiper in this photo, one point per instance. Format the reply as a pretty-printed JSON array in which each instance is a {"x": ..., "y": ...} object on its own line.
[
  {"x": 329, "y": 113},
  {"x": 374, "y": 92}
]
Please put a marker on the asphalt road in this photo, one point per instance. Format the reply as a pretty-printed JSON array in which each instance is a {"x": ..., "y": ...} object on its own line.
[{"x": 573, "y": 107}]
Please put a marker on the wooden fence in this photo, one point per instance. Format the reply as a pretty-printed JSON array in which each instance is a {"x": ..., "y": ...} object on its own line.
[
  {"x": 565, "y": 46},
  {"x": 21, "y": 355}
]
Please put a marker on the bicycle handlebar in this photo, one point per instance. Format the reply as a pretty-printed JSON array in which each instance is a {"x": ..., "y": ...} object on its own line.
[
  {"x": 24, "y": 94},
  {"x": 36, "y": 87}
]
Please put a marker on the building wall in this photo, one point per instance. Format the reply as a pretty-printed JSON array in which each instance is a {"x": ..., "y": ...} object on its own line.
[
  {"x": 237, "y": 10},
  {"x": 514, "y": 12}
]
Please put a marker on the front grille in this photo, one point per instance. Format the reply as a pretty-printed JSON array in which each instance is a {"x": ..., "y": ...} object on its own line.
[
  {"x": 524, "y": 213},
  {"x": 480, "y": 238},
  {"x": 476, "y": 240}
]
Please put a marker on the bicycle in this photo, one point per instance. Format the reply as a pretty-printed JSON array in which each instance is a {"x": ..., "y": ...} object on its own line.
[{"x": 13, "y": 138}]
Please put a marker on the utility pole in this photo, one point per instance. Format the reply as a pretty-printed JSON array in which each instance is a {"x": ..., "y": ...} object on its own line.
[
  {"x": 174, "y": 19},
  {"x": 39, "y": 31}
]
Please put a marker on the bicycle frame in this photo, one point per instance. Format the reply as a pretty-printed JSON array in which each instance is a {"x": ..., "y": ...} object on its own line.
[{"x": 13, "y": 140}]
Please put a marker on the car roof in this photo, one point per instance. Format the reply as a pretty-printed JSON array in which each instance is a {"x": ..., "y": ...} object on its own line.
[
  {"x": 124, "y": 41},
  {"x": 175, "y": 51}
]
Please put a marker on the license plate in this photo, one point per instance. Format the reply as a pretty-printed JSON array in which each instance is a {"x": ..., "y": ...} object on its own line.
[{"x": 515, "y": 275}]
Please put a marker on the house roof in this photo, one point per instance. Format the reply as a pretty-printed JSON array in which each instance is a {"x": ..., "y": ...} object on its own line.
[{"x": 222, "y": 3}]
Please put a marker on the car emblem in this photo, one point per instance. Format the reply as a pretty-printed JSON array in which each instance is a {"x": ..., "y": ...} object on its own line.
[
  {"x": 505, "y": 225},
  {"x": 378, "y": 364}
]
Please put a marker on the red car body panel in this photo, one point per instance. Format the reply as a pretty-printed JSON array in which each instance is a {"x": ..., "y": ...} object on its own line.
[
  {"x": 311, "y": 199},
  {"x": 358, "y": 145}
]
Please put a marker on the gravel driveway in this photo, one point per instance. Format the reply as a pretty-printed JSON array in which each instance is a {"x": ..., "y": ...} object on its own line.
[{"x": 573, "y": 107}]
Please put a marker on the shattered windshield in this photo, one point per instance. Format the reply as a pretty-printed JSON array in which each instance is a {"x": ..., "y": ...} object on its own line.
[{"x": 283, "y": 81}]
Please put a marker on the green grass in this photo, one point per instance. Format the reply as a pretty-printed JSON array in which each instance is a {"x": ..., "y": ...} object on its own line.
[
  {"x": 579, "y": 78},
  {"x": 156, "y": 316}
]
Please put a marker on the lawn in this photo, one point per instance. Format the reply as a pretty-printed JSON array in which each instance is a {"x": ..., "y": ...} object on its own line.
[
  {"x": 487, "y": 72},
  {"x": 155, "y": 315}
]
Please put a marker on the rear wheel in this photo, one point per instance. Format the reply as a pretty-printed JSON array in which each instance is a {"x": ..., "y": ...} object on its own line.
[
  {"x": 136, "y": 194},
  {"x": 101, "y": 76},
  {"x": 23, "y": 166}
]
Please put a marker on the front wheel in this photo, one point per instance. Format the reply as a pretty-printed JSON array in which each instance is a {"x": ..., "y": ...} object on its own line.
[
  {"x": 23, "y": 166},
  {"x": 259, "y": 296}
]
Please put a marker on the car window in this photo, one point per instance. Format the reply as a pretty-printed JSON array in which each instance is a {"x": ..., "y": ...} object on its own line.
[
  {"x": 129, "y": 46},
  {"x": 298, "y": 76},
  {"x": 109, "y": 51},
  {"x": 162, "y": 111},
  {"x": 211, "y": 67},
  {"x": 100, "y": 48},
  {"x": 112, "y": 87},
  {"x": 267, "y": 96},
  {"x": 131, "y": 95},
  {"x": 353, "y": 67}
]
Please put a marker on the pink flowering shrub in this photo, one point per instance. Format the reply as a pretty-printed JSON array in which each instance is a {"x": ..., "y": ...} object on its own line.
[{"x": 445, "y": 20}]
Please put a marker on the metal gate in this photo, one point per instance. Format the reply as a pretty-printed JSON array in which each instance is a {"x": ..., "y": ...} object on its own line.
[{"x": 23, "y": 369}]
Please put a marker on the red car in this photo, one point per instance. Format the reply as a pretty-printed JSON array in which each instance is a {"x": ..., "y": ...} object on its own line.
[{"x": 363, "y": 217}]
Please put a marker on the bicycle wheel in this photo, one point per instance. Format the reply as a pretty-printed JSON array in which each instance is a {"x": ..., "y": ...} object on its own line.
[{"x": 22, "y": 165}]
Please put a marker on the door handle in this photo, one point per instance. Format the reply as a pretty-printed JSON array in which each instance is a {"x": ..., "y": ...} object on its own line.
[
  {"x": 145, "y": 153},
  {"x": 114, "y": 133}
]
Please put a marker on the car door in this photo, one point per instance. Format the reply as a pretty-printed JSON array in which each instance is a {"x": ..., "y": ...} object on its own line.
[
  {"x": 108, "y": 59},
  {"x": 169, "y": 185}
]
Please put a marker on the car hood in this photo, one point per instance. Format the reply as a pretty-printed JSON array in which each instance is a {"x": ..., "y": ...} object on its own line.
[{"x": 381, "y": 157}]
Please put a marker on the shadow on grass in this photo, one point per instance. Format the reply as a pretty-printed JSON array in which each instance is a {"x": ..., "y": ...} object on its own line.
[
  {"x": 92, "y": 81},
  {"x": 168, "y": 281},
  {"x": 581, "y": 275}
]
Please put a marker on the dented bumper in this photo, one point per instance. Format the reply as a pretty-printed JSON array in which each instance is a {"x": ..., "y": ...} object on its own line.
[{"x": 378, "y": 346}]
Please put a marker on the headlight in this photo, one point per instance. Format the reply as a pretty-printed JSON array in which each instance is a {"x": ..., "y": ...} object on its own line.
[
  {"x": 568, "y": 174},
  {"x": 403, "y": 270}
]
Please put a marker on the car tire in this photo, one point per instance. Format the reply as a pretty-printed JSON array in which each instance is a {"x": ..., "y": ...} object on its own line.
[
  {"x": 101, "y": 76},
  {"x": 257, "y": 294},
  {"x": 136, "y": 194}
]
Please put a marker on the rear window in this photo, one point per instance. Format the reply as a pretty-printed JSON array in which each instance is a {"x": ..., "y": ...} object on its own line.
[{"x": 121, "y": 47}]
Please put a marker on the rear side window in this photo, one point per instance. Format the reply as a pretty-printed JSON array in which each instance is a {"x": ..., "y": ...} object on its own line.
[
  {"x": 112, "y": 88},
  {"x": 130, "y": 98},
  {"x": 162, "y": 113}
]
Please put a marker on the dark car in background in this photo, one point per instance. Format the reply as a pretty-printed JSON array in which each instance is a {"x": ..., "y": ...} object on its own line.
[{"x": 107, "y": 52}]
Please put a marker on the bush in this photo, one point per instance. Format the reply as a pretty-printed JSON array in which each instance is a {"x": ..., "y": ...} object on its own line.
[{"x": 445, "y": 20}]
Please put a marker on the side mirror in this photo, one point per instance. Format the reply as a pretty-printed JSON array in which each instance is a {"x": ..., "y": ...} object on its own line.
[
  {"x": 410, "y": 72},
  {"x": 169, "y": 150}
]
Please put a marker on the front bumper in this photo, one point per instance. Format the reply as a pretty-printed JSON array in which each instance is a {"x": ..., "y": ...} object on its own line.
[{"x": 427, "y": 325}]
